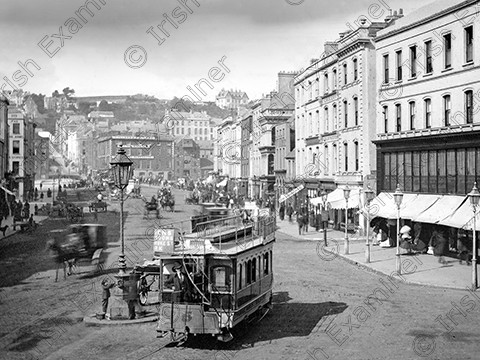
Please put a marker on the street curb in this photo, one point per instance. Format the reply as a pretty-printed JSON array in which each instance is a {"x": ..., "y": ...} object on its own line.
[
  {"x": 378, "y": 272},
  {"x": 16, "y": 231},
  {"x": 353, "y": 262},
  {"x": 91, "y": 320}
]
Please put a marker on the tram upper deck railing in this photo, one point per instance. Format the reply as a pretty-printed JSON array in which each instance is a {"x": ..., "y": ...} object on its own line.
[{"x": 226, "y": 235}]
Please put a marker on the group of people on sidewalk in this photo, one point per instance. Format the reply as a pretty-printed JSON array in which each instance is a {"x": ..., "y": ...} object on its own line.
[
  {"x": 436, "y": 240},
  {"x": 304, "y": 217}
]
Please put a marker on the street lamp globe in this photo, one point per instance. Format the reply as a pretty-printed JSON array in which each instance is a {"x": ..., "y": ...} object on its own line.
[
  {"x": 369, "y": 194},
  {"x": 346, "y": 192},
  {"x": 398, "y": 196},
  {"x": 474, "y": 195},
  {"x": 121, "y": 168}
]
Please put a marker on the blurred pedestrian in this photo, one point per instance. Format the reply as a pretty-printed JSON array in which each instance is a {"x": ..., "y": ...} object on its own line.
[
  {"x": 281, "y": 211},
  {"x": 300, "y": 222},
  {"x": 440, "y": 244},
  {"x": 462, "y": 247},
  {"x": 289, "y": 212},
  {"x": 305, "y": 219}
]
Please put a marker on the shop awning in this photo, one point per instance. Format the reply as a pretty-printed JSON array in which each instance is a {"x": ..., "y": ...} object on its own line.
[
  {"x": 444, "y": 206},
  {"x": 412, "y": 205},
  {"x": 428, "y": 208},
  {"x": 336, "y": 199},
  {"x": 462, "y": 217}
]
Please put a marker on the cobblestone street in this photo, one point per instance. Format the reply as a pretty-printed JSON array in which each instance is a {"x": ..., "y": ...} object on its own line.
[{"x": 322, "y": 310}]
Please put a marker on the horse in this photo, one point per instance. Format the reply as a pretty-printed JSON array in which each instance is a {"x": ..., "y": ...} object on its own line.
[
  {"x": 151, "y": 207},
  {"x": 168, "y": 202},
  {"x": 62, "y": 256}
]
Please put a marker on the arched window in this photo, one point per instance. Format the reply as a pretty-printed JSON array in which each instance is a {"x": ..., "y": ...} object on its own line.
[
  {"x": 355, "y": 108},
  {"x": 385, "y": 119},
  {"x": 254, "y": 270},
  {"x": 411, "y": 105},
  {"x": 428, "y": 113},
  {"x": 259, "y": 267},
  {"x": 240, "y": 277},
  {"x": 469, "y": 106},
  {"x": 355, "y": 69},
  {"x": 266, "y": 264},
  {"x": 271, "y": 261}
]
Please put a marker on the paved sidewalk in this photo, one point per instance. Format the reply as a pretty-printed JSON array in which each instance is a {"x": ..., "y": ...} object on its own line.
[
  {"x": 9, "y": 221},
  {"x": 422, "y": 269}
]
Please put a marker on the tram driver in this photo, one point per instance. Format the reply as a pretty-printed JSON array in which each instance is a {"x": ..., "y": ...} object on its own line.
[{"x": 179, "y": 282}]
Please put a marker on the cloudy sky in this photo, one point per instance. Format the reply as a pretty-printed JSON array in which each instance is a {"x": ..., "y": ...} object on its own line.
[{"x": 259, "y": 38}]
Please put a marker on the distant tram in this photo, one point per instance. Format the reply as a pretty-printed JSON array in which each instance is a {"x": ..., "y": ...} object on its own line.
[{"x": 214, "y": 278}]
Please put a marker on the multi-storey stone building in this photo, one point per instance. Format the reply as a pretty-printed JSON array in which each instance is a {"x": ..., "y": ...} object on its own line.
[
  {"x": 228, "y": 147},
  {"x": 272, "y": 110},
  {"x": 428, "y": 123},
  {"x": 284, "y": 144},
  {"x": 21, "y": 152},
  {"x": 194, "y": 125},
  {"x": 335, "y": 116},
  {"x": 187, "y": 159},
  {"x": 151, "y": 155},
  {"x": 231, "y": 99}
]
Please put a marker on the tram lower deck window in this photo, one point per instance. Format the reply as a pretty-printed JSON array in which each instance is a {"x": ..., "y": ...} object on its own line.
[{"x": 221, "y": 278}]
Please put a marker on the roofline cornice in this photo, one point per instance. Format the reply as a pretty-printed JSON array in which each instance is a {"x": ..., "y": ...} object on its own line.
[{"x": 425, "y": 20}]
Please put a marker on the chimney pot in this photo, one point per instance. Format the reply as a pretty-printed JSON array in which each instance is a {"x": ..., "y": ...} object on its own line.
[
  {"x": 395, "y": 13},
  {"x": 400, "y": 11}
]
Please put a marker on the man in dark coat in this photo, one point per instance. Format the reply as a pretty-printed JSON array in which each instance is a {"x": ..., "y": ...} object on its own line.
[
  {"x": 289, "y": 212},
  {"x": 281, "y": 211},
  {"x": 180, "y": 283},
  {"x": 300, "y": 222},
  {"x": 305, "y": 219},
  {"x": 440, "y": 244}
]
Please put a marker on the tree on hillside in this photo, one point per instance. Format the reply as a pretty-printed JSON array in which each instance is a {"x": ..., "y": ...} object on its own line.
[
  {"x": 85, "y": 107},
  {"x": 104, "y": 106},
  {"x": 55, "y": 93},
  {"x": 39, "y": 101},
  {"x": 180, "y": 104},
  {"x": 68, "y": 92}
]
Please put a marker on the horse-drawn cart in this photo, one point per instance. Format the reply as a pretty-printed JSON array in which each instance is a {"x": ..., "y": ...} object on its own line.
[
  {"x": 98, "y": 206},
  {"x": 152, "y": 207},
  {"x": 78, "y": 242}
]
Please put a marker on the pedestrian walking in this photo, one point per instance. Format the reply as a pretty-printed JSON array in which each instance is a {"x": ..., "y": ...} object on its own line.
[
  {"x": 300, "y": 222},
  {"x": 107, "y": 284},
  {"x": 281, "y": 211},
  {"x": 439, "y": 243},
  {"x": 305, "y": 219},
  {"x": 289, "y": 212},
  {"x": 462, "y": 247}
]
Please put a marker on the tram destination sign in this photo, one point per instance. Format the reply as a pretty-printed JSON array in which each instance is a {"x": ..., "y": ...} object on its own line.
[{"x": 163, "y": 241}]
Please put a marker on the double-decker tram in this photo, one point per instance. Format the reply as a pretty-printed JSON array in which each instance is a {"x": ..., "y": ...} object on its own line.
[{"x": 214, "y": 278}]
